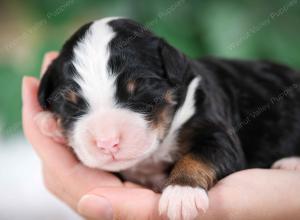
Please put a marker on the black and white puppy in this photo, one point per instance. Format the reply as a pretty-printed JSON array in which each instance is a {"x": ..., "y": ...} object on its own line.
[{"x": 128, "y": 102}]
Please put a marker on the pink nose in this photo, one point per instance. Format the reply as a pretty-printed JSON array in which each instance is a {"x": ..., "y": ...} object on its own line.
[{"x": 108, "y": 145}]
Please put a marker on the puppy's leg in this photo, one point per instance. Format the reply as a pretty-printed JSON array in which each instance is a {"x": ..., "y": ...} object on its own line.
[
  {"x": 185, "y": 196},
  {"x": 213, "y": 154},
  {"x": 289, "y": 163}
]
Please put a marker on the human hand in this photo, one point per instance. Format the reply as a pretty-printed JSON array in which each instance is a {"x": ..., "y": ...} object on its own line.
[
  {"x": 76, "y": 184},
  {"x": 250, "y": 194}
]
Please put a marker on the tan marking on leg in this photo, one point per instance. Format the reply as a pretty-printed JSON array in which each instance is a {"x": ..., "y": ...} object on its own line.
[{"x": 193, "y": 172}]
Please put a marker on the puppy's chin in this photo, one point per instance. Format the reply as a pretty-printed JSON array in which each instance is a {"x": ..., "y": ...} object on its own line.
[{"x": 117, "y": 166}]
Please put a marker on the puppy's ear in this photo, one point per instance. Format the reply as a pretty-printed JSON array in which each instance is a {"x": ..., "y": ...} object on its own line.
[
  {"x": 174, "y": 62},
  {"x": 48, "y": 86}
]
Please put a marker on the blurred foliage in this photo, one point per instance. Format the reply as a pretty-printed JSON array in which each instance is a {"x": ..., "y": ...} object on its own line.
[{"x": 233, "y": 28}]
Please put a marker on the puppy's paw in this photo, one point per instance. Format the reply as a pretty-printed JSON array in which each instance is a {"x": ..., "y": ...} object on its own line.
[
  {"x": 289, "y": 163},
  {"x": 49, "y": 127},
  {"x": 183, "y": 202}
]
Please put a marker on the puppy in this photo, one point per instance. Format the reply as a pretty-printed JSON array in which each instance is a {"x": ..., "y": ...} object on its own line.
[{"x": 128, "y": 102}]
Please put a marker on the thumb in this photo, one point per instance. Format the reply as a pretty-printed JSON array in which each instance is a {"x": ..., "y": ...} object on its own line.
[{"x": 120, "y": 204}]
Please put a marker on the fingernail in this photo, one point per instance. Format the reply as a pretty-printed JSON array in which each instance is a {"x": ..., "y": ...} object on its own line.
[{"x": 95, "y": 207}]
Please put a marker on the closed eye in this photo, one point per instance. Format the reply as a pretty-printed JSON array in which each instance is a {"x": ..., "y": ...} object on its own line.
[
  {"x": 141, "y": 107},
  {"x": 74, "y": 104}
]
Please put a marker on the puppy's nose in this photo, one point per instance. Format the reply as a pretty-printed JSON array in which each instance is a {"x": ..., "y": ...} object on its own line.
[{"x": 108, "y": 145}]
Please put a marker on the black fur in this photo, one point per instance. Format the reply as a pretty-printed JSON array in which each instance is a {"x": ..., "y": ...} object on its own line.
[
  {"x": 59, "y": 79},
  {"x": 247, "y": 112}
]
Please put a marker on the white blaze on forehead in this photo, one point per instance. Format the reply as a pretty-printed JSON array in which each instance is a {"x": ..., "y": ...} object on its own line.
[
  {"x": 91, "y": 57},
  {"x": 97, "y": 83}
]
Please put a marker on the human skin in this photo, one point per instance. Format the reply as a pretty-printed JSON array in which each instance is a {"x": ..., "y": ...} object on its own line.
[{"x": 95, "y": 194}]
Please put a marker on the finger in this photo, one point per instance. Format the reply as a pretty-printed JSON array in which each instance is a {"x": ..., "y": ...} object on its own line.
[
  {"x": 48, "y": 58},
  {"x": 132, "y": 185},
  {"x": 96, "y": 207},
  {"x": 125, "y": 203},
  {"x": 48, "y": 126},
  {"x": 50, "y": 152}
]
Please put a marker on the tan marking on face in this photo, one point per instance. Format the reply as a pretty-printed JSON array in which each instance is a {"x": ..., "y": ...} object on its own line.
[
  {"x": 131, "y": 86},
  {"x": 169, "y": 97},
  {"x": 162, "y": 121},
  {"x": 163, "y": 117},
  {"x": 192, "y": 171},
  {"x": 71, "y": 96}
]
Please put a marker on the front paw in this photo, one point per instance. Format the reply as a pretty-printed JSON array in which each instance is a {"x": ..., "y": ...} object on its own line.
[
  {"x": 288, "y": 163},
  {"x": 183, "y": 202}
]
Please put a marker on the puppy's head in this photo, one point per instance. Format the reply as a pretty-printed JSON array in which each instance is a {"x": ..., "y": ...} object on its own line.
[{"x": 114, "y": 89}]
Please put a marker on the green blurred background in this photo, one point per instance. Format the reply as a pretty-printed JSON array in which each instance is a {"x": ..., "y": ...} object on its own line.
[{"x": 233, "y": 28}]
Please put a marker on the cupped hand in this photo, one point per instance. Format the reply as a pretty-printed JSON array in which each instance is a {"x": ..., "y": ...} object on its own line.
[{"x": 95, "y": 194}]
